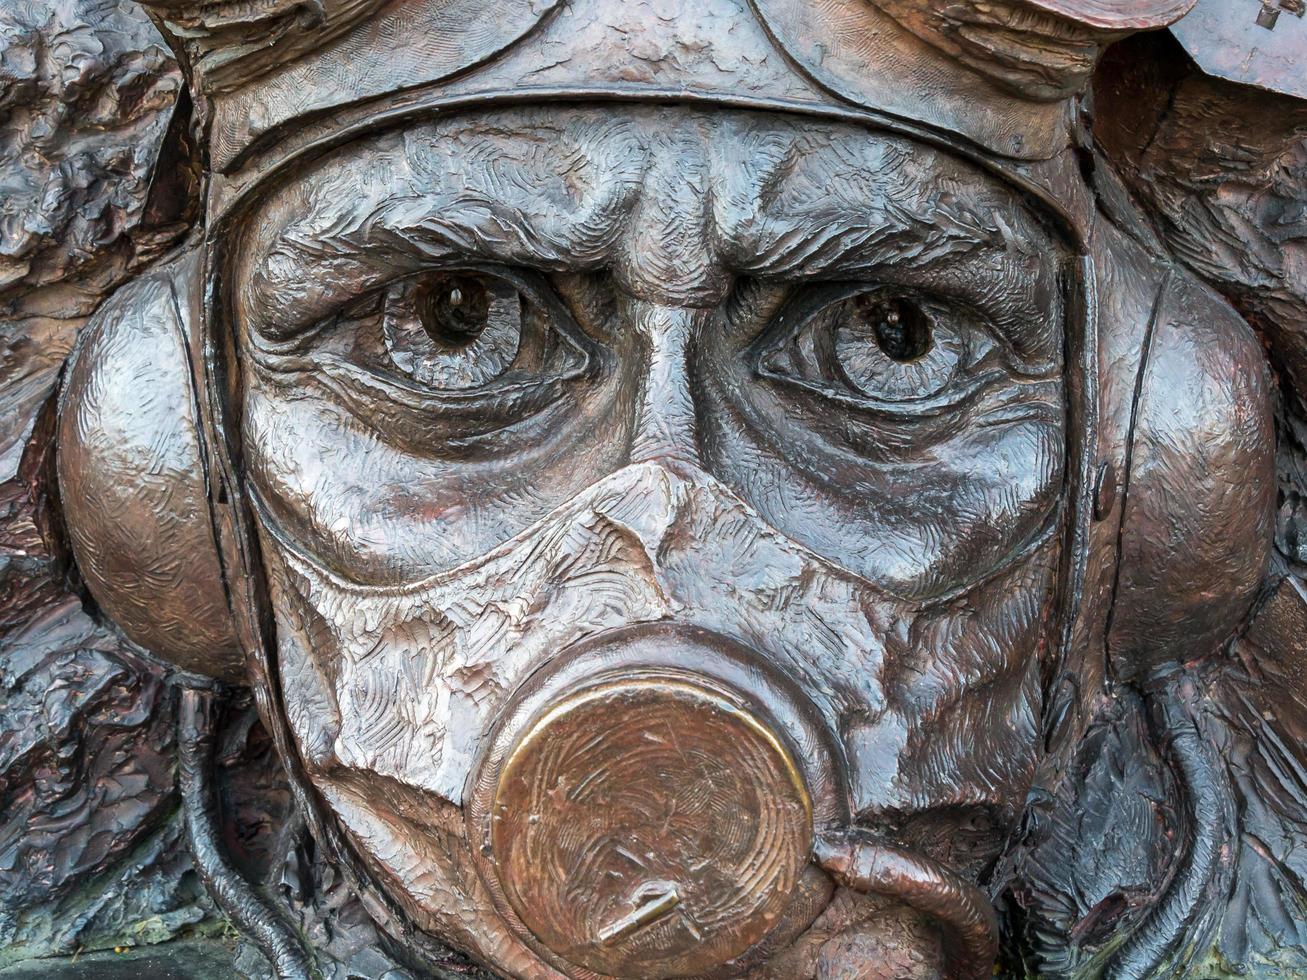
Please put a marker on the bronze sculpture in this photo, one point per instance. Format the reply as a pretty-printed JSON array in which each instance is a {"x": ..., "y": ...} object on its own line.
[{"x": 750, "y": 488}]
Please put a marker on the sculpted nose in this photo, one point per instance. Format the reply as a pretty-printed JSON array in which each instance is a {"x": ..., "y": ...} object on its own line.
[{"x": 666, "y": 425}]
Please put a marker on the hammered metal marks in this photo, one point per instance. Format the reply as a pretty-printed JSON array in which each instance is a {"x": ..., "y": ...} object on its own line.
[
  {"x": 1261, "y": 44},
  {"x": 130, "y": 453},
  {"x": 671, "y": 614},
  {"x": 649, "y": 828}
]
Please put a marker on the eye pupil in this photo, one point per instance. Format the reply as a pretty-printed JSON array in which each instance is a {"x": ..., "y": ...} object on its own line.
[
  {"x": 901, "y": 329},
  {"x": 453, "y": 310}
]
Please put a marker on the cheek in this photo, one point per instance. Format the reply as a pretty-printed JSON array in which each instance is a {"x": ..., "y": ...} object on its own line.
[
  {"x": 962, "y": 694},
  {"x": 377, "y": 513},
  {"x": 335, "y": 488},
  {"x": 926, "y": 523}
]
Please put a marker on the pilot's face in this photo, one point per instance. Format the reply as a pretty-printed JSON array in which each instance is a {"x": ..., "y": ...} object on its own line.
[{"x": 637, "y": 488}]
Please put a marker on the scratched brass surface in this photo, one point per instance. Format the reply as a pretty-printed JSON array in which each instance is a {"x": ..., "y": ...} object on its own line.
[{"x": 650, "y": 829}]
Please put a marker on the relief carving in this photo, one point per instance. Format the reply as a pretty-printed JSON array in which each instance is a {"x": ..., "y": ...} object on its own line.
[{"x": 748, "y": 488}]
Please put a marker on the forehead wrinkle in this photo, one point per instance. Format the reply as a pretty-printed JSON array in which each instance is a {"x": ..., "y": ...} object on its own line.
[
  {"x": 551, "y": 193},
  {"x": 395, "y": 211},
  {"x": 668, "y": 253},
  {"x": 672, "y": 205},
  {"x": 853, "y": 206}
]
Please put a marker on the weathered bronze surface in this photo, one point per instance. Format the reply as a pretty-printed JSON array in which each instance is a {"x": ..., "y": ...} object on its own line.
[
  {"x": 648, "y": 828},
  {"x": 785, "y": 489}
]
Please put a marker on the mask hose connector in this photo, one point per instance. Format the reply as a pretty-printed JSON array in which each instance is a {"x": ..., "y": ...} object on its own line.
[
  {"x": 248, "y": 910},
  {"x": 863, "y": 864}
]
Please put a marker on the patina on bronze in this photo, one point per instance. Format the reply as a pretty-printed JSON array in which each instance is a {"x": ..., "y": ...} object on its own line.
[
  {"x": 749, "y": 488},
  {"x": 696, "y": 829}
]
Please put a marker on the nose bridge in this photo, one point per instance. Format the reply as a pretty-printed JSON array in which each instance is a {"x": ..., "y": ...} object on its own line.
[
  {"x": 666, "y": 425},
  {"x": 668, "y": 253}
]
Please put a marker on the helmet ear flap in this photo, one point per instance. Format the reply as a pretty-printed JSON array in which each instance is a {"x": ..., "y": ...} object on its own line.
[
  {"x": 1199, "y": 498},
  {"x": 130, "y": 458}
]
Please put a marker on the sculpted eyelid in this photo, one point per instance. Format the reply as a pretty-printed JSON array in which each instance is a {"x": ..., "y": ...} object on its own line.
[
  {"x": 324, "y": 285},
  {"x": 380, "y": 253},
  {"x": 307, "y": 274}
]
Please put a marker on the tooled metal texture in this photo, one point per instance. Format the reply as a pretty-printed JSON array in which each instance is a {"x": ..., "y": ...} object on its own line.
[
  {"x": 685, "y": 779},
  {"x": 384, "y": 814},
  {"x": 89, "y": 832},
  {"x": 1041, "y": 50},
  {"x": 129, "y": 407},
  {"x": 374, "y": 808},
  {"x": 1128, "y": 516},
  {"x": 424, "y": 766},
  {"x": 1215, "y": 171},
  {"x": 317, "y": 59},
  {"x": 1117, "y": 15},
  {"x": 1252, "y": 42}
]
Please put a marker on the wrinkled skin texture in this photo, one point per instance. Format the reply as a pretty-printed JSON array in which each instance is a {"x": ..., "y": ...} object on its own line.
[
  {"x": 973, "y": 513},
  {"x": 673, "y": 241},
  {"x": 688, "y": 459}
]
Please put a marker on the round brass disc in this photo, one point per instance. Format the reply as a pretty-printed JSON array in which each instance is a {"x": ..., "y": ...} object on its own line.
[{"x": 649, "y": 829}]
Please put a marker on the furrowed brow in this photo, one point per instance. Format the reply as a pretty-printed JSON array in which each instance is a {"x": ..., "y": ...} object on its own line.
[
  {"x": 854, "y": 245},
  {"x": 813, "y": 206},
  {"x": 325, "y": 258}
]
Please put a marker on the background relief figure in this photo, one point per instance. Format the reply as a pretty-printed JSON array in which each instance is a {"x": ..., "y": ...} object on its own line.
[{"x": 781, "y": 489}]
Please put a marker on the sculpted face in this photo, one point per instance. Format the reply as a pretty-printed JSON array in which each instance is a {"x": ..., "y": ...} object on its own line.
[
  {"x": 720, "y": 489},
  {"x": 647, "y": 496}
]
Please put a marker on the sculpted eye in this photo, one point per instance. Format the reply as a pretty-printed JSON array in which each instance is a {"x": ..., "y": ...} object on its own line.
[
  {"x": 877, "y": 346},
  {"x": 461, "y": 360},
  {"x": 458, "y": 333},
  {"x": 888, "y": 347},
  {"x": 901, "y": 330},
  {"x": 454, "y": 331}
]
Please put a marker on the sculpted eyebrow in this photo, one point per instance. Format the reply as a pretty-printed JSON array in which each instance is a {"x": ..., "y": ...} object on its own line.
[
  {"x": 858, "y": 240},
  {"x": 814, "y": 206},
  {"x": 349, "y": 239},
  {"x": 311, "y": 265}
]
